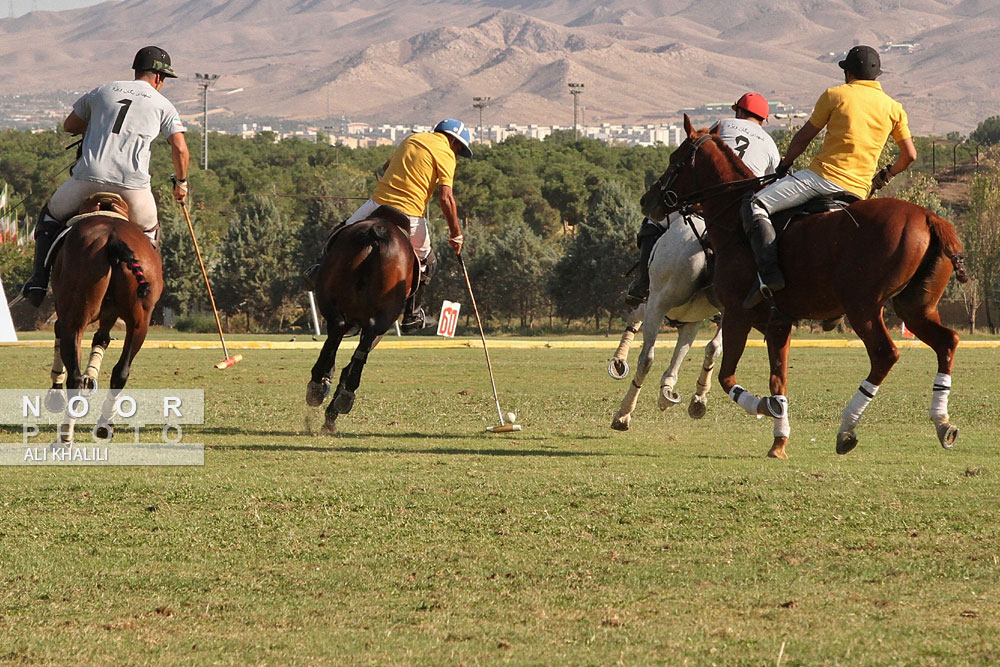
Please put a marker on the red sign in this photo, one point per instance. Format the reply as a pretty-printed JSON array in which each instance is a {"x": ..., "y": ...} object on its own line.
[{"x": 449, "y": 318}]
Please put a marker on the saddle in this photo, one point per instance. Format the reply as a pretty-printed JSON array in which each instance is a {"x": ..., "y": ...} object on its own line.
[
  {"x": 104, "y": 204},
  {"x": 835, "y": 202}
]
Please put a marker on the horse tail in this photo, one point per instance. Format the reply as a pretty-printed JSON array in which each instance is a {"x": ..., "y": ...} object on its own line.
[
  {"x": 950, "y": 244},
  {"x": 377, "y": 236},
  {"x": 119, "y": 252}
]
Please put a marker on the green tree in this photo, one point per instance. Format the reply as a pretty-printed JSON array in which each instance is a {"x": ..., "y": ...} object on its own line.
[
  {"x": 980, "y": 230},
  {"x": 588, "y": 280},
  {"x": 184, "y": 286},
  {"x": 987, "y": 132},
  {"x": 255, "y": 270}
]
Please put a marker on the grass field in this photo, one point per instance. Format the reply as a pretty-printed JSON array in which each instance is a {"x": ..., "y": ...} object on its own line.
[{"x": 413, "y": 537}]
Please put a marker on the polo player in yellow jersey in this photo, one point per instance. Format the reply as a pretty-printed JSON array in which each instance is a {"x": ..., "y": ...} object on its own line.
[
  {"x": 423, "y": 162},
  {"x": 858, "y": 117}
]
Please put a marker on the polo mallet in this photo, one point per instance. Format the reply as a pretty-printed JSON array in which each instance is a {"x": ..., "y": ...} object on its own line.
[
  {"x": 502, "y": 428},
  {"x": 228, "y": 361}
]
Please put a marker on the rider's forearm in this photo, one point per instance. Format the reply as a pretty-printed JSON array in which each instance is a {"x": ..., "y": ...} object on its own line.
[
  {"x": 799, "y": 142},
  {"x": 907, "y": 156},
  {"x": 449, "y": 208},
  {"x": 181, "y": 157}
]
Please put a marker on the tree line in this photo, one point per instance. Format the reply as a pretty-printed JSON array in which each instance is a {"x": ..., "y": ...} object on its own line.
[{"x": 549, "y": 225}]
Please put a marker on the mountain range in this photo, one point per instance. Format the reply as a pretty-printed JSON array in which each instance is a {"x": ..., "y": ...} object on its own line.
[{"x": 414, "y": 61}]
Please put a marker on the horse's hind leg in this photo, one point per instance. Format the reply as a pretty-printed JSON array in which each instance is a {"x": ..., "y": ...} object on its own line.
[
  {"x": 69, "y": 352},
  {"x": 925, "y": 323},
  {"x": 55, "y": 398},
  {"x": 882, "y": 355},
  {"x": 350, "y": 377},
  {"x": 699, "y": 400},
  {"x": 686, "y": 333},
  {"x": 319, "y": 384},
  {"x": 135, "y": 336},
  {"x": 102, "y": 338}
]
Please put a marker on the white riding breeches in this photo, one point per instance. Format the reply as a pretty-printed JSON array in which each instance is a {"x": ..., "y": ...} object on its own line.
[
  {"x": 419, "y": 238},
  {"x": 66, "y": 202},
  {"x": 792, "y": 190}
]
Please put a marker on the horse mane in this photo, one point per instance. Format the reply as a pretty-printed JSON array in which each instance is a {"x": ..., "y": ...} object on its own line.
[{"x": 733, "y": 161}]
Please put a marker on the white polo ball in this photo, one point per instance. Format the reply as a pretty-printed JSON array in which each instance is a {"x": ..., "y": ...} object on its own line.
[{"x": 511, "y": 418}]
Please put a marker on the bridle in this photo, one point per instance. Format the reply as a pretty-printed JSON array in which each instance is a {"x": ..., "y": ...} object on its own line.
[{"x": 670, "y": 199}]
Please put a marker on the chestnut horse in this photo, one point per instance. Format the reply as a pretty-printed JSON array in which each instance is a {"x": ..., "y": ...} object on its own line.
[
  {"x": 850, "y": 261},
  {"x": 104, "y": 269},
  {"x": 367, "y": 273}
]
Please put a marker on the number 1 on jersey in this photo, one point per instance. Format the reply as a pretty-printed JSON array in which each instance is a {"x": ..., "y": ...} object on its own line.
[{"x": 121, "y": 115}]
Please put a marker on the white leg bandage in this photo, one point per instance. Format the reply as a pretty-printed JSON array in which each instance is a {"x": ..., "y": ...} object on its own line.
[
  {"x": 862, "y": 397},
  {"x": 782, "y": 429},
  {"x": 939, "y": 398},
  {"x": 58, "y": 373},
  {"x": 745, "y": 399}
]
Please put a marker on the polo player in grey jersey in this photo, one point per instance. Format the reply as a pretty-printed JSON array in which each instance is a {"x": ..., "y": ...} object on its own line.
[{"x": 118, "y": 121}]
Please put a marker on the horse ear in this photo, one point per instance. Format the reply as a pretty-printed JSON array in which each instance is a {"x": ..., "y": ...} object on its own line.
[{"x": 688, "y": 127}]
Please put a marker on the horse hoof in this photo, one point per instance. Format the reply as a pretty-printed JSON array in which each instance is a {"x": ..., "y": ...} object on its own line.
[
  {"x": 846, "y": 441},
  {"x": 778, "y": 454},
  {"x": 343, "y": 401},
  {"x": 316, "y": 393},
  {"x": 618, "y": 369},
  {"x": 89, "y": 386},
  {"x": 621, "y": 422},
  {"x": 947, "y": 434},
  {"x": 697, "y": 407},
  {"x": 104, "y": 431},
  {"x": 667, "y": 398},
  {"x": 55, "y": 400},
  {"x": 330, "y": 426}
]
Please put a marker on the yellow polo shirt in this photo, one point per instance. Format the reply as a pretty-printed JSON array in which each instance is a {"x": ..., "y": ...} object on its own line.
[
  {"x": 421, "y": 163},
  {"x": 858, "y": 118}
]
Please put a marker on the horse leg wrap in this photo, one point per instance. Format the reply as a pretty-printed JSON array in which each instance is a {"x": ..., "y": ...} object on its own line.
[
  {"x": 852, "y": 413},
  {"x": 360, "y": 356},
  {"x": 58, "y": 373},
  {"x": 939, "y": 398},
  {"x": 94, "y": 365},
  {"x": 745, "y": 399},
  {"x": 778, "y": 407}
]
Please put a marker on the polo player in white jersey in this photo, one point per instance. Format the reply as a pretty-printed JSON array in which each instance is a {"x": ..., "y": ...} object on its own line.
[
  {"x": 118, "y": 121},
  {"x": 751, "y": 143}
]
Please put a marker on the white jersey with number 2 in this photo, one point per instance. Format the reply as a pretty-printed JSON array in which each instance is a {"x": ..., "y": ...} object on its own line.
[
  {"x": 751, "y": 143},
  {"x": 123, "y": 118}
]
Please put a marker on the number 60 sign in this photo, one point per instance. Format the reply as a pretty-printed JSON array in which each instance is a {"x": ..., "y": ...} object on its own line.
[{"x": 449, "y": 318}]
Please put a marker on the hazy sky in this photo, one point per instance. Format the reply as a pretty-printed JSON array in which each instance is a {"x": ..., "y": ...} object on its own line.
[{"x": 25, "y": 6}]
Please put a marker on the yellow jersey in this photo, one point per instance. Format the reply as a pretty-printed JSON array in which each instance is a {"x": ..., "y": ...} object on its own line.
[
  {"x": 858, "y": 118},
  {"x": 421, "y": 163}
]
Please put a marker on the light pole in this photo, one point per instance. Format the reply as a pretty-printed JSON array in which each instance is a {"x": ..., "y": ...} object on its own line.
[
  {"x": 205, "y": 80},
  {"x": 480, "y": 103},
  {"x": 575, "y": 89}
]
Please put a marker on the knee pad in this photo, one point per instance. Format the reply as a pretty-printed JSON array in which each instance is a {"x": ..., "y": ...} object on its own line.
[{"x": 430, "y": 266}]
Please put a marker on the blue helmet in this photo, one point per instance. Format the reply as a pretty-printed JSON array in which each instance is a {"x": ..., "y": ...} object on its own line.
[{"x": 457, "y": 129}]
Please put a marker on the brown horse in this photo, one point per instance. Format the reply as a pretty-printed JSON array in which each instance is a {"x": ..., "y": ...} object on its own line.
[
  {"x": 849, "y": 262},
  {"x": 367, "y": 273},
  {"x": 104, "y": 269}
]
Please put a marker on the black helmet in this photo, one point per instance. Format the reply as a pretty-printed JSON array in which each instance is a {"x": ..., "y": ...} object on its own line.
[
  {"x": 153, "y": 59},
  {"x": 863, "y": 62}
]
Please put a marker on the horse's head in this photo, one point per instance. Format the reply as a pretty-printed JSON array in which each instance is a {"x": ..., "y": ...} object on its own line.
[{"x": 684, "y": 176}]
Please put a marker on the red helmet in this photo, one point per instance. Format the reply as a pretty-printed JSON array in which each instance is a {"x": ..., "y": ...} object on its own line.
[{"x": 754, "y": 103}]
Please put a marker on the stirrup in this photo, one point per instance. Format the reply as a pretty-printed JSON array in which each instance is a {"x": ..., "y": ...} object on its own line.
[
  {"x": 415, "y": 321},
  {"x": 309, "y": 277},
  {"x": 634, "y": 297},
  {"x": 34, "y": 294},
  {"x": 757, "y": 294}
]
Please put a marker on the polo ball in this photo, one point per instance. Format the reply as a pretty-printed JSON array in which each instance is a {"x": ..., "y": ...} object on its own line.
[{"x": 511, "y": 418}]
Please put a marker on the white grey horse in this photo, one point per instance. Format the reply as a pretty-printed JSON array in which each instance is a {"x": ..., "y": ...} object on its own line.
[{"x": 679, "y": 289}]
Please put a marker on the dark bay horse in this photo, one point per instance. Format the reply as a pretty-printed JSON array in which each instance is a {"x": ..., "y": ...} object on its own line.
[
  {"x": 849, "y": 262},
  {"x": 104, "y": 269},
  {"x": 367, "y": 273}
]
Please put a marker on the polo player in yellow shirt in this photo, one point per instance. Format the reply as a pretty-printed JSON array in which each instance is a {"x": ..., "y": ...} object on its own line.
[
  {"x": 422, "y": 164},
  {"x": 858, "y": 117}
]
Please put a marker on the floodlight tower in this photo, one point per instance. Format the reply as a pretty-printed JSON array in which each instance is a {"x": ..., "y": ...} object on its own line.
[
  {"x": 480, "y": 103},
  {"x": 575, "y": 89},
  {"x": 205, "y": 81}
]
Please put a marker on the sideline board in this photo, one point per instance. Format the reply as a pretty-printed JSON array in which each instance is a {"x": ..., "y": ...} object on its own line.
[{"x": 7, "y": 333}]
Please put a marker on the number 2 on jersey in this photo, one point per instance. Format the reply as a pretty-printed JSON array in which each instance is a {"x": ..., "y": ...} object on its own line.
[
  {"x": 121, "y": 115},
  {"x": 742, "y": 144}
]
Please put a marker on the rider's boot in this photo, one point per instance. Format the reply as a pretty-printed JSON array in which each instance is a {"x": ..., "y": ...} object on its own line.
[
  {"x": 763, "y": 242},
  {"x": 414, "y": 317},
  {"x": 46, "y": 230},
  {"x": 638, "y": 289}
]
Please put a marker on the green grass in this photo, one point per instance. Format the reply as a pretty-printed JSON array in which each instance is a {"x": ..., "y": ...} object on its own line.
[{"x": 413, "y": 537}]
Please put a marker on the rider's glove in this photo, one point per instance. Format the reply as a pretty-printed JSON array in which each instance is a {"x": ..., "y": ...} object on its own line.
[
  {"x": 179, "y": 185},
  {"x": 881, "y": 178},
  {"x": 782, "y": 170}
]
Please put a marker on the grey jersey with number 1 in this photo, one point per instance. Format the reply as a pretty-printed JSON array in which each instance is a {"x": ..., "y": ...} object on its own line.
[
  {"x": 123, "y": 118},
  {"x": 751, "y": 143}
]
